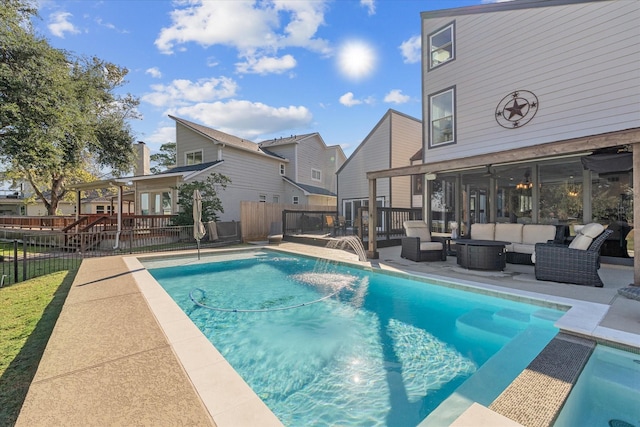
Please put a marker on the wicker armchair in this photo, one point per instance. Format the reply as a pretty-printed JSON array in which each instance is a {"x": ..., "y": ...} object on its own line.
[
  {"x": 419, "y": 245},
  {"x": 560, "y": 263}
]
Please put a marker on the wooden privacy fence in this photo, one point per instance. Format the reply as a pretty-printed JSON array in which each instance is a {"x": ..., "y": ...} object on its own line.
[{"x": 256, "y": 217}]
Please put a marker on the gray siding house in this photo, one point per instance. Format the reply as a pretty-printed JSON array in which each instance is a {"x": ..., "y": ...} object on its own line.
[
  {"x": 531, "y": 110},
  {"x": 391, "y": 143},
  {"x": 296, "y": 170}
]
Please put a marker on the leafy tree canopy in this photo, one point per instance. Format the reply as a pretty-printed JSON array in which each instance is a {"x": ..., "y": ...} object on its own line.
[
  {"x": 59, "y": 113},
  {"x": 165, "y": 159},
  {"x": 211, "y": 203}
]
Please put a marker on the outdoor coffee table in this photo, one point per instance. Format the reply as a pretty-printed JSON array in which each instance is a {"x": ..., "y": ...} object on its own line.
[{"x": 481, "y": 254}]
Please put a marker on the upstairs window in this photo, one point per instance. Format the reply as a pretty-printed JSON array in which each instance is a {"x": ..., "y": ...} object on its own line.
[
  {"x": 262, "y": 198},
  {"x": 442, "y": 117},
  {"x": 316, "y": 175},
  {"x": 282, "y": 169},
  {"x": 442, "y": 46},
  {"x": 193, "y": 158},
  {"x": 296, "y": 200}
]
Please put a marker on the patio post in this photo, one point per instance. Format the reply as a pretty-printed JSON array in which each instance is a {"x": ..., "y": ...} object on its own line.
[
  {"x": 373, "y": 218},
  {"x": 636, "y": 212}
]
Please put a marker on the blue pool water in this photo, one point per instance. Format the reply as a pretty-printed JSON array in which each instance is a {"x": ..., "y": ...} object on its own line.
[
  {"x": 607, "y": 392},
  {"x": 384, "y": 350}
]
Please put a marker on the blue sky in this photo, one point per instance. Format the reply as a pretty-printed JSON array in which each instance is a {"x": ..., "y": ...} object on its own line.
[{"x": 255, "y": 69}]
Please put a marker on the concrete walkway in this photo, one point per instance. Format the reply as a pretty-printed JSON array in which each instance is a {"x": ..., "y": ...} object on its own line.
[
  {"x": 108, "y": 362},
  {"x": 116, "y": 357}
]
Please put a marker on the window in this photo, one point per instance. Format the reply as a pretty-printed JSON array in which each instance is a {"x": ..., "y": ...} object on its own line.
[
  {"x": 442, "y": 117},
  {"x": 417, "y": 184},
  {"x": 100, "y": 209},
  {"x": 296, "y": 200},
  {"x": 441, "y": 46},
  {"x": 316, "y": 175},
  {"x": 193, "y": 158},
  {"x": 262, "y": 198},
  {"x": 282, "y": 169},
  {"x": 276, "y": 199}
]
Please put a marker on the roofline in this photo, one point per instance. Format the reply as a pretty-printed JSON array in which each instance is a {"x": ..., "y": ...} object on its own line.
[
  {"x": 258, "y": 151},
  {"x": 305, "y": 192},
  {"x": 103, "y": 183},
  {"x": 377, "y": 125},
  {"x": 500, "y": 7},
  {"x": 196, "y": 173}
]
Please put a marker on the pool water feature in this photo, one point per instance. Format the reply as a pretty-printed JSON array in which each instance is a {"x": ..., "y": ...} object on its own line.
[
  {"x": 607, "y": 392},
  {"x": 385, "y": 350}
]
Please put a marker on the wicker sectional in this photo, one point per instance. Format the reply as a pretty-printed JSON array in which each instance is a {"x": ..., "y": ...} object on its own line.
[{"x": 522, "y": 238}]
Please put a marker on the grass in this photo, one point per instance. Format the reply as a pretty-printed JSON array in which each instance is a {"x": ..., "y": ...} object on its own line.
[
  {"x": 37, "y": 267},
  {"x": 29, "y": 311}
]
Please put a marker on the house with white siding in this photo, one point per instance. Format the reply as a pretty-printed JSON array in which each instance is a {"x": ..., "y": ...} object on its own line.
[
  {"x": 390, "y": 144},
  {"x": 296, "y": 170},
  {"x": 531, "y": 113}
]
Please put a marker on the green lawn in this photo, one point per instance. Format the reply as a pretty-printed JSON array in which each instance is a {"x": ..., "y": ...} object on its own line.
[{"x": 29, "y": 311}]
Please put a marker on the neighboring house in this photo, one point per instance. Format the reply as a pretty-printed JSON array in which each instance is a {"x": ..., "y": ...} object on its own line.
[
  {"x": 98, "y": 205},
  {"x": 19, "y": 203},
  {"x": 391, "y": 143},
  {"x": 296, "y": 170},
  {"x": 531, "y": 110}
]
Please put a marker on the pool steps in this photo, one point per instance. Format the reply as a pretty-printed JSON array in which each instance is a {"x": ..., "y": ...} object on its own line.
[{"x": 536, "y": 396}]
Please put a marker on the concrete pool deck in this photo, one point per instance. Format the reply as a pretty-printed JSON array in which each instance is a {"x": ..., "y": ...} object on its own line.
[{"x": 122, "y": 353}]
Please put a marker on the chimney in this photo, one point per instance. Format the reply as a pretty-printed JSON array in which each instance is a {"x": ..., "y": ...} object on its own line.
[{"x": 143, "y": 164}]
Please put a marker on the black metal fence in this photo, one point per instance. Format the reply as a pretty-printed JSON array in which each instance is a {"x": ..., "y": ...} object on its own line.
[{"x": 37, "y": 254}]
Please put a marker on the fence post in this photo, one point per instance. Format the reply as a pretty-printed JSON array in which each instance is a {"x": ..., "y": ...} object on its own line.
[
  {"x": 24, "y": 259},
  {"x": 15, "y": 261}
]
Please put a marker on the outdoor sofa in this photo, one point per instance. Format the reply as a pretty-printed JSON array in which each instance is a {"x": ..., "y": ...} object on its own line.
[
  {"x": 521, "y": 238},
  {"x": 576, "y": 263}
]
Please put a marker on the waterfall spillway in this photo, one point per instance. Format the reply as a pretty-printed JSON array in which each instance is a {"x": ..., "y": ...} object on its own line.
[{"x": 353, "y": 242}]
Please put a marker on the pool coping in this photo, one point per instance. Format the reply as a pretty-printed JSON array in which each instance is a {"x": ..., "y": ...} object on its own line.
[{"x": 231, "y": 402}]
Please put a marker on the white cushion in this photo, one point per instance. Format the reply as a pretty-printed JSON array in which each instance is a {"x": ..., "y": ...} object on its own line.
[
  {"x": 430, "y": 246},
  {"x": 417, "y": 229},
  {"x": 509, "y": 247},
  {"x": 592, "y": 230},
  {"x": 523, "y": 249},
  {"x": 483, "y": 231},
  {"x": 538, "y": 233},
  {"x": 581, "y": 242},
  {"x": 509, "y": 232}
]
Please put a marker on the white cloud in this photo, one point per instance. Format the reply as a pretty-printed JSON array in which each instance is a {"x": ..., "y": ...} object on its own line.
[
  {"x": 59, "y": 24},
  {"x": 370, "y": 5},
  {"x": 255, "y": 29},
  {"x": 154, "y": 72},
  {"x": 396, "y": 97},
  {"x": 110, "y": 26},
  {"x": 244, "y": 118},
  {"x": 348, "y": 100},
  {"x": 160, "y": 136},
  {"x": 412, "y": 50},
  {"x": 183, "y": 92},
  {"x": 266, "y": 65}
]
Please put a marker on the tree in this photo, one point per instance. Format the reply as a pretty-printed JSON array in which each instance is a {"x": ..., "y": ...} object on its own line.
[
  {"x": 165, "y": 159},
  {"x": 59, "y": 114},
  {"x": 211, "y": 203}
]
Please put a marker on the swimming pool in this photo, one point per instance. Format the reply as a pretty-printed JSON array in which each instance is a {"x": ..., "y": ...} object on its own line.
[
  {"x": 385, "y": 350},
  {"x": 607, "y": 392}
]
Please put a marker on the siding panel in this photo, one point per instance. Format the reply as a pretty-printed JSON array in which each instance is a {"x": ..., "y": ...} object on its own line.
[{"x": 581, "y": 60}]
